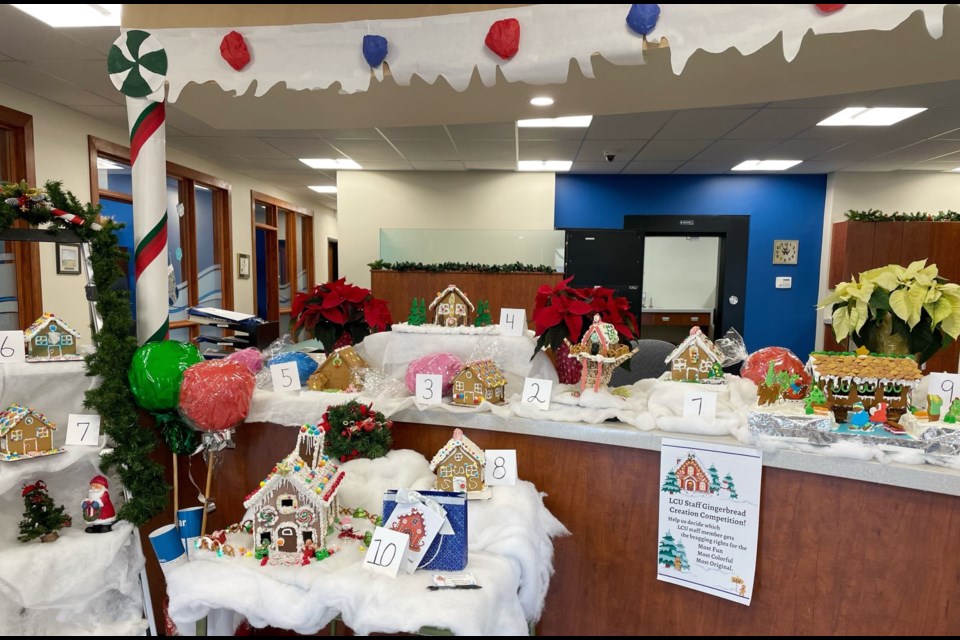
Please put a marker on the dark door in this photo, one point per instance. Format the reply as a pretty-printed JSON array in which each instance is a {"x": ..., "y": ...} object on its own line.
[
  {"x": 606, "y": 258},
  {"x": 333, "y": 260}
]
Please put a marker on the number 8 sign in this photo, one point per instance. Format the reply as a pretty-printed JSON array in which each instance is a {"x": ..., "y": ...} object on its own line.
[{"x": 500, "y": 467}]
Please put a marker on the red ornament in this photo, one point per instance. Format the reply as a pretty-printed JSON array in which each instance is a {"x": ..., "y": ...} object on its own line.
[
  {"x": 503, "y": 38},
  {"x": 233, "y": 49},
  {"x": 830, "y": 8}
]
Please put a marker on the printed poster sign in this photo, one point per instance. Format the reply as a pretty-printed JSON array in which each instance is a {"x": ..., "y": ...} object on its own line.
[{"x": 709, "y": 518}]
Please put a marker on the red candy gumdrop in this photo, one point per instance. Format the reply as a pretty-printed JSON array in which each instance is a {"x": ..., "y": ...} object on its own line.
[
  {"x": 503, "y": 38},
  {"x": 233, "y": 49}
]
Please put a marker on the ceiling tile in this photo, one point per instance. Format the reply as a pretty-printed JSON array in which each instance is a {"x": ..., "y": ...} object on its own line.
[
  {"x": 387, "y": 166},
  {"x": 658, "y": 150},
  {"x": 873, "y": 165},
  {"x": 243, "y": 146},
  {"x": 287, "y": 165},
  {"x": 362, "y": 150},
  {"x": 925, "y": 150},
  {"x": 427, "y": 150},
  {"x": 858, "y": 150},
  {"x": 836, "y": 102},
  {"x": 773, "y": 123},
  {"x": 598, "y": 167},
  {"x": 415, "y": 133},
  {"x": 302, "y": 147},
  {"x": 551, "y": 133},
  {"x": 90, "y": 75},
  {"x": 26, "y": 38},
  {"x": 638, "y": 126},
  {"x": 917, "y": 95},
  {"x": 490, "y": 166},
  {"x": 281, "y": 133},
  {"x": 97, "y": 38},
  {"x": 435, "y": 165},
  {"x": 704, "y": 168},
  {"x": 596, "y": 150},
  {"x": 497, "y": 131},
  {"x": 115, "y": 115},
  {"x": 349, "y": 134},
  {"x": 194, "y": 126},
  {"x": 31, "y": 80},
  {"x": 803, "y": 149},
  {"x": 651, "y": 167},
  {"x": 548, "y": 149},
  {"x": 817, "y": 167},
  {"x": 488, "y": 150},
  {"x": 736, "y": 151},
  {"x": 699, "y": 124}
]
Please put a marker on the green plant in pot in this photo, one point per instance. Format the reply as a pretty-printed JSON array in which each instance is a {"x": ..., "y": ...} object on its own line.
[{"x": 897, "y": 310}]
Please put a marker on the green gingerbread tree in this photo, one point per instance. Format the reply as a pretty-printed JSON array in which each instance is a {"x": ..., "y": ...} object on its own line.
[
  {"x": 729, "y": 486},
  {"x": 714, "y": 480},
  {"x": 814, "y": 398},
  {"x": 667, "y": 553},
  {"x": 483, "y": 314},
  {"x": 41, "y": 517},
  {"x": 418, "y": 312},
  {"x": 671, "y": 483}
]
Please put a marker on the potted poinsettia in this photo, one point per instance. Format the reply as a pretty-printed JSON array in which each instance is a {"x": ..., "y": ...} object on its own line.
[
  {"x": 338, "y": 314},
  {"x": 563, "y": 313},
  {"x": 897, "y": 310}
]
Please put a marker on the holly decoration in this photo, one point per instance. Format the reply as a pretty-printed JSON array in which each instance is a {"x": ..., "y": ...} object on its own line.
[
  {"x": 41, "y": 517},
  {"x": 483, "y": 318},
  {"x": 875, "y": 215},
  {"x": 355, "y": 430}
]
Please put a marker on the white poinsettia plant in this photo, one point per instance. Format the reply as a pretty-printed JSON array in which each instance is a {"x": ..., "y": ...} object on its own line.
[{"x": 912, "y": 307}]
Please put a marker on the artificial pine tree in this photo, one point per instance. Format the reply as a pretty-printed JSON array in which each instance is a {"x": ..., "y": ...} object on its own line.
[
  {"x": 418, "y": 313},
  {"x": 729, "y": 486},
  {"x": 667, "y": 553},
  {"x": 483, "y": 314},
  {"x": 671, "y": 484},
  {"x": 41, "y": 517},
  {"x": 714, "y": 480}
]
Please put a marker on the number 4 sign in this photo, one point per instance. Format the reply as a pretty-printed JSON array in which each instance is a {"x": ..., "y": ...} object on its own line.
[
  {"x": 500, "y": 467},
  {"x": 513, "y": 322}
]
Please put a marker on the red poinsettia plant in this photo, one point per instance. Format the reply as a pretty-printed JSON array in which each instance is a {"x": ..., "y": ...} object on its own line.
[{"x": 338, "y": 313}]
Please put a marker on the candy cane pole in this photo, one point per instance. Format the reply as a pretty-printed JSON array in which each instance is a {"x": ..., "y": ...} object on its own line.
[{"x": 138, "y": 65}]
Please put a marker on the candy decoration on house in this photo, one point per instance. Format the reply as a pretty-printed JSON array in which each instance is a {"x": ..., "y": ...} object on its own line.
[
  {"x": 42, "y": 518},
  {"x": 355, "y": 430},
  {"x": 861, "y": 380},
  {"x": 483, "y": 314},
  {"x": 341, "y": 371},
  {"x": 459, "y": 465},
  {"x": 98, "y": 511},
  {"x": 480, "y": 381},
  {"x": 50, "y": 338},
  {"x": 137, "y": 64},
  {"x": 374, "y": 50},
  {"x": 599, "y": 353},
  {"x": 816, "y": 402},
  {"x": 775, "y": 385},
  {"x": 503, "y": 38},
  {"x": 233, "y": 49},
  {"x": 418, "y": 312},
  {"x": 25, "y": 433},
  {"x": 642, "y": 18},
  {"x": 693, "y": 360},
  {"x": 934, "y": 407},
  {"x": 452, "y": 308},
  {"x": 953, "y": 414},
  {"x": 296, "y": 503}
]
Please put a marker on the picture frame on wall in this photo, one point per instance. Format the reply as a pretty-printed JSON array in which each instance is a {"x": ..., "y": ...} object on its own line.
[
  {"x": 68, "y": 259},
  {"x": 243, "y": 266}
]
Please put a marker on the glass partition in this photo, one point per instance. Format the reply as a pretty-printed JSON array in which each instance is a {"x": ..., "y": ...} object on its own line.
[{"x": 485, "y": 246}]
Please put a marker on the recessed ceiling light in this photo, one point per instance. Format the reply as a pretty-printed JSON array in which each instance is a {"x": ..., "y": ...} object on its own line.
[
  {"x": 330, "y": 163},
  {"x": 766, "y": 165},
  {"x": 541, "y": 101},
  {"x": 544, "y": 165},
  {"x": 74, "y": 15},
  {"x": 103, "y": 164},
  {"x": 323, "y": 189},
  {"x": 566, "y": 121},
  {"x": 870, "y": 116}
]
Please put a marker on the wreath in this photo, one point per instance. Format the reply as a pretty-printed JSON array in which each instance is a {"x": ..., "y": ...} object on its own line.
[
  {"x": 355, "y": 430},
  {"x": 115, "y": 343}
]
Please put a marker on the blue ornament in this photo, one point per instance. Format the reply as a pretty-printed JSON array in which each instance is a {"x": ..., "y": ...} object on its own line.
[
  {"x": 642, "y": 18},
  {"x": 374, "y": 50},
  {"x": 305, "y": 364}
]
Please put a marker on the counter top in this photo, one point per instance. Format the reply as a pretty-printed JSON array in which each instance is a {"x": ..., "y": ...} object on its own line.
[{"x": 659, "y": 310}]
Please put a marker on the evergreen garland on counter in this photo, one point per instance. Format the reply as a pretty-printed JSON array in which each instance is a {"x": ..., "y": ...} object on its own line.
[
  {"x": 459, "y": 267},
  {"x": 875, "y": 215}
]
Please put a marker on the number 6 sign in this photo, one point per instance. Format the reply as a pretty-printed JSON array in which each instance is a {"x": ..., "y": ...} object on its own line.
[{"x": 11, "y": 347}]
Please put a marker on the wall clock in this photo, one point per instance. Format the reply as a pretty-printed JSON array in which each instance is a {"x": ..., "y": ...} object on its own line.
[{"x": 785, "y": 251}]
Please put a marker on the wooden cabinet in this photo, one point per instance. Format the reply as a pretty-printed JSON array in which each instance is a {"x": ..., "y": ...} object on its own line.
[
  {"x": 859, "y": 246},
  {"x": 669, "y": 319}
]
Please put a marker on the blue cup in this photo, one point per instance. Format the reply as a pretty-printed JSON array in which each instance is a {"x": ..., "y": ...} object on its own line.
[
  {"x": 189, "y": 521},
  {"x": 168, "y": 546}
]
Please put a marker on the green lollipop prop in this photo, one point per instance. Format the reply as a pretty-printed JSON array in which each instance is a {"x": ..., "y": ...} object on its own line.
[{"x": 157, "y": 371}]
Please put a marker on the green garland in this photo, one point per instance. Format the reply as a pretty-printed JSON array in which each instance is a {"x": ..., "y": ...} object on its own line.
[
  {"x": 355, "y": 430},
  {"x": 459, "y": 267},
  {"x": 115, "y": 343},
  {"x": 875, "y": 215}
]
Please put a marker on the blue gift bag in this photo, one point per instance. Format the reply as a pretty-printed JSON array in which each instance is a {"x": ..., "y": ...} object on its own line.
[{"x": 446, "y": 552}]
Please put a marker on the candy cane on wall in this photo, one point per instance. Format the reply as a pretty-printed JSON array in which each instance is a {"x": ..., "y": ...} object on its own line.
[{"x": 138, "y": 65}]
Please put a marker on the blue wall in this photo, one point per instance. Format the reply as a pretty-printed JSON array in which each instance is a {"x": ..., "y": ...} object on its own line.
[{"x": 780, "y": 208}]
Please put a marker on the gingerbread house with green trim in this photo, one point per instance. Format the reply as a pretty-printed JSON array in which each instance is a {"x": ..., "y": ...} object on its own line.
[
  {"x": 848, "y": 378},
  {"x": 50, "y": 338},
  {"x": 25, "y": 433}
]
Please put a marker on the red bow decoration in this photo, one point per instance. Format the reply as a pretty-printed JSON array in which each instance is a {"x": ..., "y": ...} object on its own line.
[
  {"x": 830, "y": 8},
  {"x": 503, "y": 38},
  {"x": 233, "y": 49},
  {"x": 27, "y": 488}
]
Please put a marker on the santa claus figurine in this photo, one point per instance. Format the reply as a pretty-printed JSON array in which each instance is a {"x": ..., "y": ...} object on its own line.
[{"x": 98, "y": 510}]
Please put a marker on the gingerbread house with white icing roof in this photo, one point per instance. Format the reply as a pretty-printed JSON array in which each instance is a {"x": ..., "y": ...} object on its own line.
[
  {"x": 296, "y": 503},
  {"x": 459, "y": 465},
  {"x": 696, "y": 359},
  {"x": 25, "y": 433},
  {"x": 50, "y": 338},
  {"x": 451, "y": 308}
]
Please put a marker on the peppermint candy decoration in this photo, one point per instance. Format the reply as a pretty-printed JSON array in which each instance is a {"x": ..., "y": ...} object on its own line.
[{"x": 137, "y": 64}]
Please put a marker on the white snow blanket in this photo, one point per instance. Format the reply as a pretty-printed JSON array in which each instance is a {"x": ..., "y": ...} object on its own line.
[{"x": 511, "y": 555}]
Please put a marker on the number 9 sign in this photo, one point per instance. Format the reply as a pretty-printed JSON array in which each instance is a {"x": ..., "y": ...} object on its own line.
[{"x": 945, "y": 385}]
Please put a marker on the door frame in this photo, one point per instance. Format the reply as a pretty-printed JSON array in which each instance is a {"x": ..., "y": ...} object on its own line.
[
  {"x": 333, "y": 267},
  {"x": 273, "y": 249}
]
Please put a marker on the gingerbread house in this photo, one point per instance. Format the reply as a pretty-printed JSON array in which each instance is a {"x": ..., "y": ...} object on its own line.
[
  {"x": 691, "y": 476},
  {"x": 459, "y": 465},
  {"x": 451, "y": 308},
  {"x": 599, "y": 353},
  {"x": 25, "y": 433},
  {"x": 850, "y": 378},
  {"x": 296, "y": 503},
  {"x": 479, "y": 381},
  {"x": 696, "y": 359},
  {"x": 341, "y": 371},
  {"x": 50, "y": 338}
]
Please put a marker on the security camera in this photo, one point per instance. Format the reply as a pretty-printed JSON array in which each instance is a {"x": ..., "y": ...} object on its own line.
[{"x": 609, "y": 157}]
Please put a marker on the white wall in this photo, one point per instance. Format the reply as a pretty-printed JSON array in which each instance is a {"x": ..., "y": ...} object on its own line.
[
  {"x": 61, "y": 153},
  {"x": 681, "y": 273},
  {"x": 368, "y": 201}
]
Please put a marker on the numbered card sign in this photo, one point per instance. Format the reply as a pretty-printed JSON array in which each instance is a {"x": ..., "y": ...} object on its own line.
[
  {"x": 500, "y": 467},
  {"x": 513, "y": 322},
  {"x": 386, "y": 551},
  {"x": 700, "y": 404},
  {"x": 945, "y": 385},
  {"x": 429, "y": 388},
  {"x": 11, "y": 347},
  {"x": 286, "y": 376},
  {"x": 83, "y": 429},
  {"x": 536, "y": 393}
]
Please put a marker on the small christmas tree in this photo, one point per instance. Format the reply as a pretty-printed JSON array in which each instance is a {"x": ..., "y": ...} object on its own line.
[
  {"x": 667, "y": 553},
  {"x": 814, "y": 399},
  {"x": 671, "y": 483},
  {"x": 714, "y": 480},
  {"x": 418, "y": 312},
  {"x": 729, "y": 486},
  {"x": 483, "y": 314},
  {"x": 682, "y": 557},
  {"x": 41, "y": 517}
]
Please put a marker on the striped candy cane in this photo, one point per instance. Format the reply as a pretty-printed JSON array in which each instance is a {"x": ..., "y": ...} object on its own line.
[{"x": 138, "y": 64}]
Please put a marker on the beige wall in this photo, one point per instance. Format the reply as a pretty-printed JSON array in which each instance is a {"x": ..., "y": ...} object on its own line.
[
  {"x": 369, "y": 200},
  {"x": 60, "y": 143}
]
